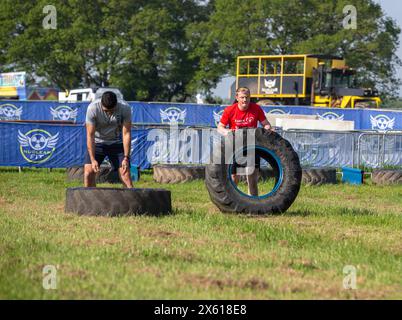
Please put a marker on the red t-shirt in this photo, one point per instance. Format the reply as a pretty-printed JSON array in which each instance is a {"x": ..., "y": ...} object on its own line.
[{"x": 236, "y": 118}]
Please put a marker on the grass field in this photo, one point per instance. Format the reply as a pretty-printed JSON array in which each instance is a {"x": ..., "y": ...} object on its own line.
[{"x": 197, "y": 252}]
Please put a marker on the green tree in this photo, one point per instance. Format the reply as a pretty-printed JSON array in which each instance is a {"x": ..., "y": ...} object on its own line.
[
  {"x": 158, "y": 61},
  {"x": 172, "y": 49},
  {"x": 296, "y": 27},
  {"x": 139, "y": 46}
]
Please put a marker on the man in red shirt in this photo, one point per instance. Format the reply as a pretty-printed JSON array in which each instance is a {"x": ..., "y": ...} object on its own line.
[{"x": 240, "y": 115}]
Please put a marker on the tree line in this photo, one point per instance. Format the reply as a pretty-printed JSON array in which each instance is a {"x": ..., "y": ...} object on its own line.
[{"x": 168, "y": 50}]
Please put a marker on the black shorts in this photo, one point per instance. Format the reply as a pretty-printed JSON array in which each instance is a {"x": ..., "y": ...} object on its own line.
[
  {"x": 257, "y": 160},
  {"x": 115, "y": 153}
]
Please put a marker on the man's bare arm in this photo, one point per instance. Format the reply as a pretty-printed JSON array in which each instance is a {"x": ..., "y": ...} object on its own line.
[
  {"x": 222, "y": 130},
  {"x": 126, "y": 132},
  {"x": 267, "y": 125},
  {"x": 91, "y": 146}
]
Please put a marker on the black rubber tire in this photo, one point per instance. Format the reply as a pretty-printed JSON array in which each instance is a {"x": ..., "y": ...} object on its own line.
[
  {"x": 318, "y": 176},
  {"x": 386, "y": 176},
  {"x": 172, "y": 173},
  {"x": 75, "y": 173},
  {"x": 225, "y": 196},
  {"x": 117, "y": 201},
  {"x": 105, "y": 175},
  {"x": 266, "y": 102}
]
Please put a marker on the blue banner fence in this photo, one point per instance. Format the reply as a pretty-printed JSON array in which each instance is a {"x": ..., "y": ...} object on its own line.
[
  {"x": 193, "y": 114},
  {"x": 62, "y": 145}
]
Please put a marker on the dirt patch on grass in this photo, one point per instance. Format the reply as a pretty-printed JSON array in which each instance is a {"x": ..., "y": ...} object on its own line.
[
  {"x": 322, "y": 284},
  {"x": 69, "y": 271},
  {"x": 320, "y": 289},
  {"x": 3, "y": 202},
  {"x": 304, "y": 264},
  {"x": 177, "y": 256},
  {"x": 98, "y": 242},
  {"x": 224, "y": 283},
  {"x": 161, "y": 233},
  {"x": 246, "y": 257}
]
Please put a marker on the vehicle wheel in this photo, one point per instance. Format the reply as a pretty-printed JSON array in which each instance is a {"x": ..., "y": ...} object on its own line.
[
  {"x": 117, "y": 201},
  {"x": 106, "y": 174},
  {"x": 266, "y": 102},
  {"x": 280, "y": 155},
  {"x": 387, "y": 176},
  {"x": 75, "y": 173},
  {"x": 318, "y": 176},
  {"x": 362, "y": 105},
  {"x": 172, "y": 173}
]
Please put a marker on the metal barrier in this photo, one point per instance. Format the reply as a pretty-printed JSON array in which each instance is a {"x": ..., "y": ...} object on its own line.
[
  {"x": 354, "y": 148},
  {"x": 377, "y": 150},
  {"x": 315, "y": 148}
]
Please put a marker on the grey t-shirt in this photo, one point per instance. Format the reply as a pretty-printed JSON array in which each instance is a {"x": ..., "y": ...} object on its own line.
[{"x": 108, "y": 129}]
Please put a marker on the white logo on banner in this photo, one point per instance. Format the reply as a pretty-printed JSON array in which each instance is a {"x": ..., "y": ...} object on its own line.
[
  {"x": 277, "y": 111},
  {"x": 173, "y": 115},
  {"x": 382, "y": 122},
  {"x": 330, "y": 116},
  {"x": 64, "y": 113},
  {"x": 217, "y": 116},
  {"x": 307, "y": 147},
  {"x": 10, "y": 112},
  {"x": 270, "y": 86},
  {"x": 133, "y": 145},
  {"x": 37, "y": 146}
]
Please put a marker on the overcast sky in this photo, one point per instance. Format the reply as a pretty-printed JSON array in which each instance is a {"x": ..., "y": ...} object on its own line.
[{"x": 392, "y": 8}]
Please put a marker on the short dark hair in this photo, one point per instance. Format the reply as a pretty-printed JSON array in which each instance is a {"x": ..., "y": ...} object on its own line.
[{"x": 109, "y": 100}]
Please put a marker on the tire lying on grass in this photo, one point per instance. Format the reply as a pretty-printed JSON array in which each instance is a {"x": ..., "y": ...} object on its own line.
[
  {"x": 117, "y": 201},
  {"x": 175, "y": 173},
  {"x": 387, "y": 176},
  {"x": 318, "y": 176},
  {"x": 280, "y": 155},
  {"x": 106, "y": 174}
]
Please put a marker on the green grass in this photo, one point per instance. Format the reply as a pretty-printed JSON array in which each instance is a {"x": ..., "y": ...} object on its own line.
[{"x": 197, "y": 252}]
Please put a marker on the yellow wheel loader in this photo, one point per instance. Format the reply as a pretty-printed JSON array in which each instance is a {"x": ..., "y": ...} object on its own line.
[{"x": 308, "y": 79}]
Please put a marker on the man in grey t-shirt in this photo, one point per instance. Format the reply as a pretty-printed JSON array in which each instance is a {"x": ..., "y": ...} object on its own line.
[{"x": 108, "y": 124}]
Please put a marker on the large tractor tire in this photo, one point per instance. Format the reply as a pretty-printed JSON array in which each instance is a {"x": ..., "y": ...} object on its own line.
[
  {"x": 387, "y": 176},
  {"x": 362, "y": 105},
  {"x": 106, "y": 174},
  {"x": 117, "y": 201},
  {"x": 266, "y": 102},
  {"x": 318, "y": 176},
  {"x": 279, "y": 154},
  {"x": 171, "y": 173}
]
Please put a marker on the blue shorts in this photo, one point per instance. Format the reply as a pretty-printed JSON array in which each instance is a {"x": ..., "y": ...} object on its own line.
[{"x": 115, "y": 153}]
